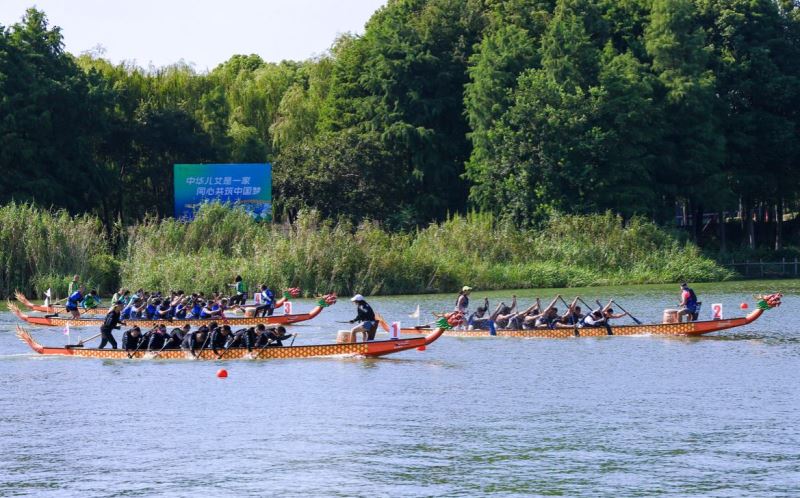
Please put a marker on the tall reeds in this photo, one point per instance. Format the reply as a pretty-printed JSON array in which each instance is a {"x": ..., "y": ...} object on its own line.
[
  {"x": 320, "y": 255},
  {"x": 41, "y": 249}
]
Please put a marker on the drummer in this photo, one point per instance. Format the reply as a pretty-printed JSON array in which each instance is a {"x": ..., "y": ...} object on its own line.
[
  {"x": 688, "y": 304},
  {"x": 365, "y": 315}
]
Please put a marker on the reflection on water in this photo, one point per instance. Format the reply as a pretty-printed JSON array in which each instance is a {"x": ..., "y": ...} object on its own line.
[{"x": 610, "y": 416}]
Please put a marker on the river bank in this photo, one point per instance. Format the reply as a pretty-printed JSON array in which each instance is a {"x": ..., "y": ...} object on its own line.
[{"x": 42, "y": 249}]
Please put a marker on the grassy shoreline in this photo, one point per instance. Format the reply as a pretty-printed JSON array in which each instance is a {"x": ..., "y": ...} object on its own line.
[{"x": 41, "y": 249}]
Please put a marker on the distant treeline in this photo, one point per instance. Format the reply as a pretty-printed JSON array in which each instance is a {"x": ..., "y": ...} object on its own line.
[
  {"x": 42, "y": 249},
  {"x": 519, "y": 108}
]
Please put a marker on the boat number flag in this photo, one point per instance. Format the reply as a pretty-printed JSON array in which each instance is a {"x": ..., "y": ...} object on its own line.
[
  {"x": 47, "y": 297},
  {"x": 287, "y": 308},
  {"x": 717, "y": 310},
  {"x": 394, "y": 330},
  {"x": 415, "y": 314}
]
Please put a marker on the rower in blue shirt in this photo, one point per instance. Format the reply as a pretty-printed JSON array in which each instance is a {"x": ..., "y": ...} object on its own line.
[
  {"x": 267, "y": 302},
  {"x": 73, "y": 301}
]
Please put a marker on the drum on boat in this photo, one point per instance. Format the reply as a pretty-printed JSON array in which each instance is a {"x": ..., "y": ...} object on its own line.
[
  {"x": 670, "y": 316},
  {"x": 344, "y": 337}
]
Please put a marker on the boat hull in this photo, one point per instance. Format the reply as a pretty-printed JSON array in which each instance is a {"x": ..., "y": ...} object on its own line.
[
  {"x": 664, "y": 329},
  {"x": 369, "y": 349},
  {"x": 233, "y": 322}
]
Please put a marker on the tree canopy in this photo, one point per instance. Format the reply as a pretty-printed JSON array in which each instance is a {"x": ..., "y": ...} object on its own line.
[{"x": 521, "y": 108}]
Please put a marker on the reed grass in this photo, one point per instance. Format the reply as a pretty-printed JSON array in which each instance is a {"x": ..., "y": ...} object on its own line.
[
  {"x": 42, "y": 249},
  {"x": 322, "y": 256}
]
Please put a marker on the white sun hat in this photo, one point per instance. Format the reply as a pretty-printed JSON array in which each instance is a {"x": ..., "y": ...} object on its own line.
[{"x": 357, "y": 297}]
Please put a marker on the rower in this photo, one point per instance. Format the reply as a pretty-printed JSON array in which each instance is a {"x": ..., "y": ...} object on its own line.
[
  {"x": 158, "y": 338},
  {"x": 476, "y": 319},
  {"x": 91, "y": 300},
  {"x": 181, "y": 309},
  {"x": 163, "y": 312},
  {"x": 73, "y": 300},
  {"x": 271, "y": 336},
  {"x": 547, "y": 320},
  {"x": 197, "y": 308},
  {"x": 119, "y": 296},
  {"x": 111, "y": 322},
  {"x": 210, "y": 311},
  {"x": 195, "y": 340},
  {"x": 151, "y": 310},
  {"x": 267, "y": 302},
  {"x": 366, "y": 316},
  {"x": 688, "y": 306},
  {"x": 131, "y": 339},
  {"x": 572, "y": 317},
  {"x": 601, "y": 317},
  {"x": 503, "y": 313},
  {"x": 526, "y": 318},
  {"x": 219, "y": 338},
  {"x": 176, "y": 336},
  {"x": 242, "y": 338}
]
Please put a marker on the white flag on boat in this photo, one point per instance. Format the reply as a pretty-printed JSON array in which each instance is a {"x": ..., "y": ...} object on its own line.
[
  {"x": 47, "y": 297},
  {"x": 415, "y": 314}
]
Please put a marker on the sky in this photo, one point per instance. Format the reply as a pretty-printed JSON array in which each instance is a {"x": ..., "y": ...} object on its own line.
[{"x": 201, "y": 32}]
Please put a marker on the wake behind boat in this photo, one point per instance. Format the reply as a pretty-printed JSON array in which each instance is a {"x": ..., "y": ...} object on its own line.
[{"x": 368, "y": 349}]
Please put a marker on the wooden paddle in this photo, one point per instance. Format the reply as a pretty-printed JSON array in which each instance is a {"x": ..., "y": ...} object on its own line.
[
  {"x": 82, "y": 341},
  {"x": 626, "y": 312},
  {"x": 381, "y": 322},
  {"x": 141, "y": 341},
  {"x": 208, "y": 336}
]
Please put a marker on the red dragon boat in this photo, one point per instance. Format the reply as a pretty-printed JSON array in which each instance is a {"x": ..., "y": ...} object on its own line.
[
  {"x": 696, "y": 328},
  {"x": 48, "y": 321},
  {"x": 368, "y": 349}
]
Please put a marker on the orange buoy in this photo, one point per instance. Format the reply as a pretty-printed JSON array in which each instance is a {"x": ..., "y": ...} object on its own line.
[
  {"x": 222, "y": 373},
  {"x": 421, "y": 348},
  {"x": 743, "y": 306}
]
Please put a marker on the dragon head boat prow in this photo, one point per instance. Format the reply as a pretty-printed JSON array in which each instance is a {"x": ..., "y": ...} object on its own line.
[{"x": 25, "y": 337}]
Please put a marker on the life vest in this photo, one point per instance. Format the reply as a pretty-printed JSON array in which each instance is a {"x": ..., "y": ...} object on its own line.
[{"x": 691, "y": 301}]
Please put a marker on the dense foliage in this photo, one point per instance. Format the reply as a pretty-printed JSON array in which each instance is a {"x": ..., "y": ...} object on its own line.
[
  {"x": 520, "y": 108},
  {"x": 42, "y": 249}
]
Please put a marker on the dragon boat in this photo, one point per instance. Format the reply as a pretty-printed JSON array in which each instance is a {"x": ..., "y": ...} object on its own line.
[
  {"x": 367, "y": 349},
  {"x": 694, "y": 328},
  {"x": 54, "y": 321},
  {"x": 60, "y": 308}
]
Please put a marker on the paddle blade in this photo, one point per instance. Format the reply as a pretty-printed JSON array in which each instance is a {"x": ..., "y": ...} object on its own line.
[{"x": 382, "y": 322}]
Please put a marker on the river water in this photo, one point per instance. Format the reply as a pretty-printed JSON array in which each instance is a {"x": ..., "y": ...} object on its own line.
[{"x": 611, "y": 416}]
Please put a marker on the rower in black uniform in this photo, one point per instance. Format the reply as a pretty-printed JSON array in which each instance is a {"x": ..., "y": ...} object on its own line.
[
  {"x": 176, "y": 336},
  {"x": 131, "y": 339},
  {"x": 219, "y": 337}
]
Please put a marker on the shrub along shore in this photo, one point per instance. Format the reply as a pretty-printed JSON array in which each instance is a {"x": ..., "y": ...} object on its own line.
[{"x": 41, "y": 249}]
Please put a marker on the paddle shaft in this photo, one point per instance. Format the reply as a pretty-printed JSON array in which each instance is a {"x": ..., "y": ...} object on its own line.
[
  {"x": 141, "y": 341},
  {"x": 82, "y": 341},
  {"x": 208, "y": 336},
  {"x": 626, "y": 312}
]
